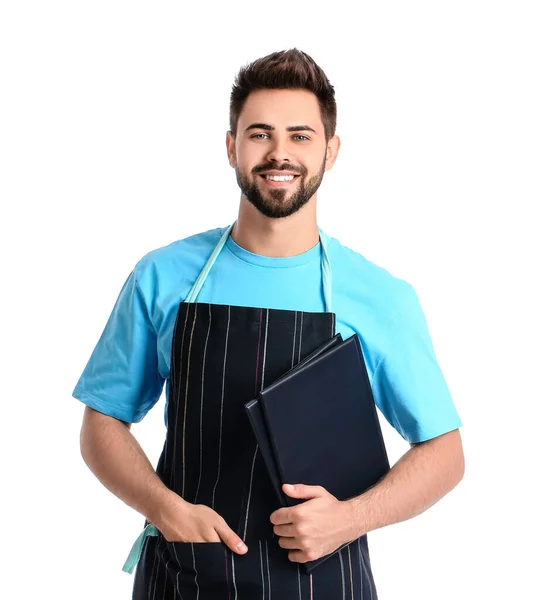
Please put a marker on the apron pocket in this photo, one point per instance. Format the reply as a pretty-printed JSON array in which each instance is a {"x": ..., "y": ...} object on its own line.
[
  {"x": 196, "y": 565},
  {"x": 212, "y": 568}
]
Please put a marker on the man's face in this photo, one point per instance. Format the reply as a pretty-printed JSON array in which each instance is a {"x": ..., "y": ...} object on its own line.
[{"x": 280, "y": 135}]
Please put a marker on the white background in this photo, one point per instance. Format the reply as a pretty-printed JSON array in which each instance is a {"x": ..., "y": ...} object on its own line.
[{"x": 112, "y": 123}]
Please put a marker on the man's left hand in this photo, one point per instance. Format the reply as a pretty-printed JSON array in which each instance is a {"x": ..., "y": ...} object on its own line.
[{"x": 313, "y": 528}]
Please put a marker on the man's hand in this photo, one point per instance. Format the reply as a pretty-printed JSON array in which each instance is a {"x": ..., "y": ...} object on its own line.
[
  {"x": 314, "y": 528},
  {"x": 181, "y": 521}
]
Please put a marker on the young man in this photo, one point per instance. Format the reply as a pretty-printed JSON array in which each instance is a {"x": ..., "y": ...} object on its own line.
[{"x": 218, "y": 316}]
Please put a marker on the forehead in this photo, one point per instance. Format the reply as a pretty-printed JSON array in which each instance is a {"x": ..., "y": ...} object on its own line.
[{"x": 281, "y": 108}]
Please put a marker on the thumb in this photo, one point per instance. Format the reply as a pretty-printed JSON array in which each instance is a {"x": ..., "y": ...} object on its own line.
[
  {"x": 231, "y": 539},
  {"x": 300, "y": 490}
]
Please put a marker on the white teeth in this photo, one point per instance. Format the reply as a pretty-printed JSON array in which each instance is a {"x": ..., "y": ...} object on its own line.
[{"x": 280, "y": 177}]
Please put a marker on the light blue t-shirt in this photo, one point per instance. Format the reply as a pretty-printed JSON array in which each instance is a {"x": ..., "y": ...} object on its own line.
[{"x": 125, "y": 374}]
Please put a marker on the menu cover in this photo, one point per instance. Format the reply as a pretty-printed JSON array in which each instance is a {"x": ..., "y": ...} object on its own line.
[{"x": 318, "y": 425}]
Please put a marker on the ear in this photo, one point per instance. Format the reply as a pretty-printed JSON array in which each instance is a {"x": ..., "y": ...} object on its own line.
[
  {"x": 230, "y": 146},
  {"x": 332, "y": 150}
]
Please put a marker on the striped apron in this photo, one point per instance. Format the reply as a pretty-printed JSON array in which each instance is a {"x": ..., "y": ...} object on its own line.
[{"x": 222, "y": 356}]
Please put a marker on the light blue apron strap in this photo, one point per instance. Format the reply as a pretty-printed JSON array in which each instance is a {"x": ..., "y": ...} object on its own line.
[
  {"x": 196, "y": 288},
  {"x": 136, "y": 550},
  {"x": 326, "y": 274}
]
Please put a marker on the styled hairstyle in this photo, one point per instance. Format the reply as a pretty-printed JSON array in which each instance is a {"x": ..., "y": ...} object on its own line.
[{"x": 288, "y": 69}]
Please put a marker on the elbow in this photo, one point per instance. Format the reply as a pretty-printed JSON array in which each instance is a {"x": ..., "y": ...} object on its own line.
[
  {"x": 461, "y": 466},
  {"x": 458, "y": 458},
  {"x": 450, "y": 449},
  {"x": 88, "y": 432}
]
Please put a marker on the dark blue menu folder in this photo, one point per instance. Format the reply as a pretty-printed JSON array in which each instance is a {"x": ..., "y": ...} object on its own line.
[
  {"x": 318, "y": 425},
  {"x": 256, "y": 416}
]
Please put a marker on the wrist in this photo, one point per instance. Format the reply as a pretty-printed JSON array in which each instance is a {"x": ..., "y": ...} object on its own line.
[
  {"x": 163, "y": 505},
  {"x": 356, "y": 517}
]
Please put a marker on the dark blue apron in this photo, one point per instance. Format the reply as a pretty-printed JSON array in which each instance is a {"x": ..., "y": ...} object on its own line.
[{"x": 222, "y": 356}]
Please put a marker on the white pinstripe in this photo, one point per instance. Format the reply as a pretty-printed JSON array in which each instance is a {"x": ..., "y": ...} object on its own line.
[
  {"x": 262, "y": 568},
  {"x": 152, "y": 576},
  {"x": 173, "y": 469},
  {"x": 360, "y": 565},
  {"x": 165, "y": 570},
  {"x": 201, "y": 413},
  {"x": 301, "y": 334},
  {"x": 367, "y": 574},
  {"x": 166, "y": 573},
  {"x": 342, "y": 575},
  {"x": 172, "y": 374},
  {"x": 351, "y": 572},
  {"x": 156, "y": 553},
  {"x": 294, "y": 342},
  {"x": 222, "y": 408},
  {"x": 265, "y": 345},
  {"x": 186, "y": 406},
  {"x": 233, "y": 573},
  {"x": 250, "y": 490},
  {"x": 195, "y": 569},
  {"x": 268, "y": 572},
  {"x": 177, "y": 588}
]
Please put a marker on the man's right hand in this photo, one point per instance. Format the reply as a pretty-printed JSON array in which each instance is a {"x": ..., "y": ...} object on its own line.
[
  {"x": 114, "y": 455},
  {"x": 181, "y": 521}
]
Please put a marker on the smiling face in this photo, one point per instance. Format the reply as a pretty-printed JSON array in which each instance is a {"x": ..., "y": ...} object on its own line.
[{"x": 280, "y": 151}]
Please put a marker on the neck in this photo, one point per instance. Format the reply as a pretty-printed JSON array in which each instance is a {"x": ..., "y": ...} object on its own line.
[{"x": 276, "y": 238}]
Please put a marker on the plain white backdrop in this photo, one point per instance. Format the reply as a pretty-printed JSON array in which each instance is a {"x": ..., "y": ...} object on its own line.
[{"x": 112, "y": 124}]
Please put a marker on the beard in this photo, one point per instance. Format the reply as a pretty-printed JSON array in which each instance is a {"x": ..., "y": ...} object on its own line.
[{"x": 279, "y": 203}]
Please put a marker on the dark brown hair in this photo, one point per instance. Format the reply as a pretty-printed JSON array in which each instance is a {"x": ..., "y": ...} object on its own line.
[{"x": 288, "y": 69}]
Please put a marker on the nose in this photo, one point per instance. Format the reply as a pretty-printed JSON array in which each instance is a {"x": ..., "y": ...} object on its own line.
[{"x": 278, "y": 151}]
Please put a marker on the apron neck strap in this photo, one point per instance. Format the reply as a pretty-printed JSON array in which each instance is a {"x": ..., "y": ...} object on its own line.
[{"x": 325, "y": 269}]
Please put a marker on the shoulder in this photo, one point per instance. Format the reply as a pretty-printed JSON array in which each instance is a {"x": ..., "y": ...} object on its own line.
[
  {"x": 165, "y": 274},
  {"x": 358, "y": 276},
  {"x": 180, "y": 258},
  {"x": 187, "y": 248}
]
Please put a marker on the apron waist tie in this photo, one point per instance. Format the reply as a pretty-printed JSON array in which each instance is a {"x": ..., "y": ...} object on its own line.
[{"x": 136, "y": 550}]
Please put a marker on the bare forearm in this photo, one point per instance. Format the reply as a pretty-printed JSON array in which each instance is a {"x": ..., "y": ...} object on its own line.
[
  {"x": 116, "y": 458},
  {"x": 419, "y": 479}
]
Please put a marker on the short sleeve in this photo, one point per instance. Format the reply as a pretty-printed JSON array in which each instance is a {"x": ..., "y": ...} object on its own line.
[
  {"x": 121, "y": 378},
  {"x": 408, "y": 385}
]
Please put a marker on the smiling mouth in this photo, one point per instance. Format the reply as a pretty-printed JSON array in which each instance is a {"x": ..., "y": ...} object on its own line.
[{"x": 279, "y": 180}]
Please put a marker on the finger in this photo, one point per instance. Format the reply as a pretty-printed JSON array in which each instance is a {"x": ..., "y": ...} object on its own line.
[
  {"x": 284, "y": 530},
  {"x": 289, "y": 543},
  {"x": 282, "y": 516},
  {"x": 231, "y": 539},
  {"x": 297, "y": 556},
  {"x": 212, "y": 537},
  {"x": 300, "y": 490}
]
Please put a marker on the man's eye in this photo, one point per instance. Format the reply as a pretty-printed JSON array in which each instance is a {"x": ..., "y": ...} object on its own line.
[
  {"x": 257, "y": 135},
  {"x": 304, "y": 137}
]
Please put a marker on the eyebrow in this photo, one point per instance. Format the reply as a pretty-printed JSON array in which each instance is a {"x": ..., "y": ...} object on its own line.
[{"x": 271, "y": 128}]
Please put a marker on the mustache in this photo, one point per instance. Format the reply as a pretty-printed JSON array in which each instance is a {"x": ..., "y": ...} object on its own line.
[{"x": 285, "y": 167}]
